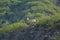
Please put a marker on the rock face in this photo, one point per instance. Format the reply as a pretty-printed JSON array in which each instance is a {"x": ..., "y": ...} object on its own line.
[{"x": 32, "y": 33}]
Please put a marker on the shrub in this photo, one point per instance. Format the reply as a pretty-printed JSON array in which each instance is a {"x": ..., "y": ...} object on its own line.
[{"x": 12, "y": 27}]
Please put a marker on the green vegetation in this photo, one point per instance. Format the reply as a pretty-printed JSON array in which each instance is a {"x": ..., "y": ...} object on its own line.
[
  {"x": 48, "y": 19},
  {"x": 13, "y": 11},
  {"x": 13, "y": 27}
]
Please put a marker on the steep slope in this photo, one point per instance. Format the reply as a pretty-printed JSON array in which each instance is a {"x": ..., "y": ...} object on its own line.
[
  {"x": 12, "y": 11},
  {"x": 46, "y": 13}
]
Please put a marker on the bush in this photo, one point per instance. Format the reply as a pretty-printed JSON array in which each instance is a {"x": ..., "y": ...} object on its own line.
[
  {"x": 12, "y": 27},
  {"x": 48, "y": 20}
]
